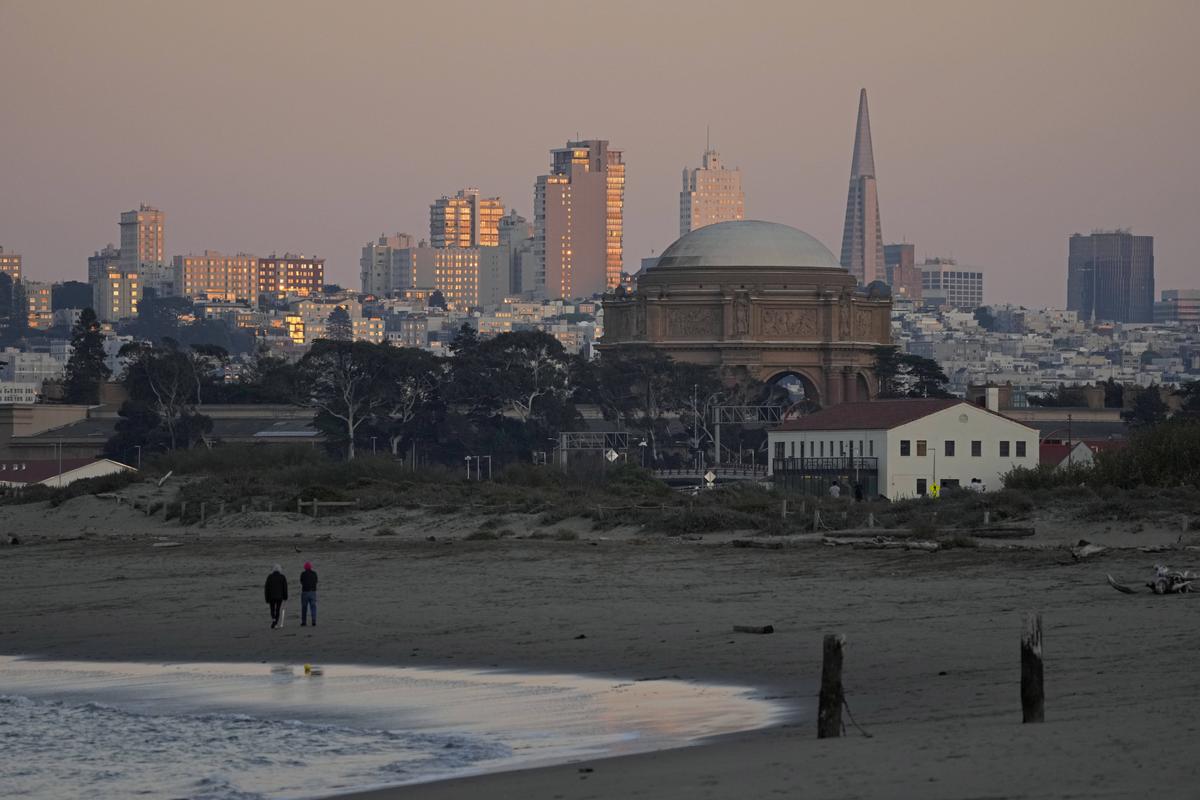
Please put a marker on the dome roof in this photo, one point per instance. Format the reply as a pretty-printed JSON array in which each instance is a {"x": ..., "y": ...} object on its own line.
[{"x": 747, "y": 243}]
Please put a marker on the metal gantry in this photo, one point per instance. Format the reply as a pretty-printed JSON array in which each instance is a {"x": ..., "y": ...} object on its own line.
[
  {"x": 747, "y": 415},
  {"x": 591, "y": 440}
]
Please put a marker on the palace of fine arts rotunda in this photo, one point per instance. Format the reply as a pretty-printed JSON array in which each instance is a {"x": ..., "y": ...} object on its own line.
[{"x": 758, "y": 300}]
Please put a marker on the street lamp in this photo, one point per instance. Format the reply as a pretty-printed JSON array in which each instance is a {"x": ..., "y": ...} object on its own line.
[
  {"x": 642, "y": 445},
  {"x": 468, "y": 460},
  {"x": 372, "y": 445}
]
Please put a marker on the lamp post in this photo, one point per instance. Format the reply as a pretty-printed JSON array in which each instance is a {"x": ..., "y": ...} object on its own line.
[
  {"x": 642, "y": 445},
  {"x": 372, "y": 445},
  {"x": 468, "y": 460},
  {"x": 138, "y": 447}
]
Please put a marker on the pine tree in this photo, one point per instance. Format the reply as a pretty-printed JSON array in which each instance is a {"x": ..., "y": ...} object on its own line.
[
  {"x": 338, "y": 327},
  {"x": 86, "y": 369}
]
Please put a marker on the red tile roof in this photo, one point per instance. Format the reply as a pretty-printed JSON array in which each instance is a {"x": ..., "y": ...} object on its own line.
[
  {"x": 1053, "y": 453},
  {"x": 870, "y": 415},
  {"x": 25, "y": 470}
]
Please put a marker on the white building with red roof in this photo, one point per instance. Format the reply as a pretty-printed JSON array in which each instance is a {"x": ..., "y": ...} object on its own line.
[{"x": 899, "y": 448}]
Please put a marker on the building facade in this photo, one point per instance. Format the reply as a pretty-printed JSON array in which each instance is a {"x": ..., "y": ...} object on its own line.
[
  {"x": 516, "y": 241},
  {"x": 579, "y": 221},
  {"x": 903, "y": 275},
  {"x": 862, "y": 237},
  {"x": 1178, "y": 305},
  {"x": 945, "y": 284},
  {"x": 38, "y": 305},
  {"x": 711, "y": 194},
  {"x": 465, "y": 220},
  {"x": 143, "y": 247},
  {"x": 10, "y": 264},
  {"x": 383, "y": 267},
  {"x": 1110, "y": 276},
  {"x": 289, "y": 274},
  {"x": 116, "y": 296},
  {"x": 214, "y": 276},
  {"x": 102, "y": 262}
]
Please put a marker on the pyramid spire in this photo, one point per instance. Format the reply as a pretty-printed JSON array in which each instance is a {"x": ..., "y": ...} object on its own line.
[{"x": 863, "y": 164}]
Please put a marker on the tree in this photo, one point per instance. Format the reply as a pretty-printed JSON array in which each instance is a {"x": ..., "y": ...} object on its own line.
[
  {"x": 526, "y": 370},
  {"x": 907, "y": 375},
  {"x": 86, "y": 368},
  {"x": 344, "y": 381},
  {"x": 70, "y": 294},
  {"x": 466, "y": 340},
  {"x": 163, "y": 383},
  {"x": 338, "y": 327},
  {"x": 1148, "y": 408},
  {"x": 412, "y": 400},
  {"x": 985, "y": 318},
  {"x": 437, "y": 300},
  {"x": 160, "y": 318}
]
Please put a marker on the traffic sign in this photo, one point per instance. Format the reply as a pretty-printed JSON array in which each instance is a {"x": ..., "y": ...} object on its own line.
[
  {"x": 611, "y": 455},
  {"x": 710, "y": 476}
]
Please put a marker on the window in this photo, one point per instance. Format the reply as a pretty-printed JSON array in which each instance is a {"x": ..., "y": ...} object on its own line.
[
  {"x": 1004, "y": 449},
  {"x": 949, "y": 448},
  {"x": 793, "y": 449},
  {"x": 976, "y": 449},
  {"x": 1020, "y": 449},
  {"x": 871, "y": 447},
  {"x": 921, "y": 451},
  {"x": 822, "y": 448},
  {"x": 842, "y": 449},
  {"x": 949, "y": 483},
  {"x": 905, "y": 447},
  {"x": 779, "y": 451},
  {"x": 921, "y": 487}
]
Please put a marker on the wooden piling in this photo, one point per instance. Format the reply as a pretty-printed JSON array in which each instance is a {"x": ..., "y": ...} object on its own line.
[
  {"x": 783, "y": 510},
  {"x": 870, "y": 519},
  {"x": 1033, "y": 700},
  {"x": 829, "y": 704}
]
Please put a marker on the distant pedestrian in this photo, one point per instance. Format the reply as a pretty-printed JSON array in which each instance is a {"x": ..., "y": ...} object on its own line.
[
  {"x": 276, "y": 594},
  {"x": 835, "y": 490},
  {"x": 308, "y": 594},
  {"x": 858, "y": 493}
]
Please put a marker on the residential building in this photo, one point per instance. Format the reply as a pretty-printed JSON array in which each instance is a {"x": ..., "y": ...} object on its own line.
[
  {"x": 579, "y": 221},
  {"x": 289, "y": 274},
  {"x": 862, "y": 237},
  {"x": 143, "y": 248},
  {"x": 465, "y": 220},
  {"x": 900, "y": 448},
  {"x": 56, "y": 472},
  {"x": 26, "y": 366},
  {"x": 38, "y": 305},
  {"x": 1178, "y": 305},
  {"x": 10, "y": 264},
  {"x": 903, "y": 275},
  {"x": 711, "y": 193},
  {"x": 516, "y": 239},
  {"x": 309, "y": 321},
  {"x": 102, "y": 262},
  {"x": 117, "y": 295},
  {"x": 1110, "y": 276},
  {"x": 456, "y": 274},
  {"x": 384, "y": 267},
  {"x": 214, "y": 276},
  {"x": 945, "y": 284},
  {"x": 494, "y": 277}
]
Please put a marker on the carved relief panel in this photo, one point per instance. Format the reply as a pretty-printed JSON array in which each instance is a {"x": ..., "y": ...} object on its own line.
[
  {"x": 789, "y": 323},
  {"x": 694, "y": 322}
]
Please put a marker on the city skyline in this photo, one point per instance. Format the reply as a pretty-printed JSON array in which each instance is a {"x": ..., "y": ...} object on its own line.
[{"x": 999, "y": 143}]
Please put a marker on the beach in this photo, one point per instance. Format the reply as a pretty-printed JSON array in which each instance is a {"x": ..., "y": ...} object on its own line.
[{"x": 932, "y": 660}]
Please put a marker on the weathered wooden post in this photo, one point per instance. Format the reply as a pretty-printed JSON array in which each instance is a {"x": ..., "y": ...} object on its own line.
[
  {"x": 987, "y": 517},
  {"x": 829, "y": 704},
  {"x": 1033, "y": 700},
  {"x": 183, "y": 513},
  {"x": 816, "y": 520},
  {"x": 783, "y": 510},
  {"x": 870, "y": 519}
]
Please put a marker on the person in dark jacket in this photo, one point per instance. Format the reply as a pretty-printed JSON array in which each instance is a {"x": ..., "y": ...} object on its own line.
[
  {"x": 277, "y": 595},
  {"x": 308, "y": 594}
]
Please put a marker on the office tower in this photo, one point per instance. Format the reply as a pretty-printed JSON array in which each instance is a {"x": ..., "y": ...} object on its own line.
[
  {"x": 578, "y": 221},
  {"x": 10, "y": 264},
  {"x": 903, "y": 275},
  {"x": 289, "y": 274},
  {"x": 143, "y": 248},
  {"x": 101, "y": 262},
  {"x": 38, "y": 304},
  {"x": 116, "y": 295},
  {"x": 383, "y": 267},
  {"x": 1110, "y": 277},
  {"x": 945, "y": 284},
  {"x": 516, "y": 240},
  {"x": 711, "y": 193},
  {"x": 213, "y": 276},
  {"x": 1178, "y": 305},
  {"x": 465, "y": 220},
  {"x": 862, "y": 241}
]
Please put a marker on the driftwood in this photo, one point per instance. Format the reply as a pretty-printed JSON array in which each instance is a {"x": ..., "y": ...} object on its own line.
[
  {"x": 883, "y": 543},
  {"x": 753, "y": 628},
  {"x": 757, "y": 545}
]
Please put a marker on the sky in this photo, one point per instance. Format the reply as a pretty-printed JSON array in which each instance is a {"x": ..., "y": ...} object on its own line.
[{"x": 313, "y": 127}]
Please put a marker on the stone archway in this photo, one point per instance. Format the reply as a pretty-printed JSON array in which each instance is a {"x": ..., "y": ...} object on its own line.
[
  {"x": 862, "y": 387},
  {"x": 809, "y": 388}
]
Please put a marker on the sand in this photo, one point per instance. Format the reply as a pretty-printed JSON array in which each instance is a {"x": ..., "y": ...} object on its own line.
[{"x": 931, "y": 668}]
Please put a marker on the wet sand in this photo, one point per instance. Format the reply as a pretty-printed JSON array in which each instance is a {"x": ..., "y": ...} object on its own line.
[{"x": 931, "y": 669}]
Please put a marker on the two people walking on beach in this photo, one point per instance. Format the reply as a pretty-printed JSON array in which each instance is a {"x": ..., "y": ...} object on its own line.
[{"x": 276, "y": 592}]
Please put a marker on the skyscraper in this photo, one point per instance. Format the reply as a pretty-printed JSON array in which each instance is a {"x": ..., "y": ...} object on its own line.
[
  {"x": 465, "y": 220},
  {"x": 711, "y": 193},
  {"x": 143, "y": 248},
  {"x": 1110, "y": 276},
  {"x": 579, "y": 221},
  {"x": 862, "y": 240}
]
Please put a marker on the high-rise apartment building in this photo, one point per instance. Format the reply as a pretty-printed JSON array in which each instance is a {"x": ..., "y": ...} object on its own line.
[
  {"x": 465, "y": 220},
  {"x": 516, "y": 242},
  {"x": 116, "y": 296},
  {"x": 143, "y": 247},
  {"x": 1110, "y": 276},
  {"x": 1178, "y": 305},
  {"x": 384, "y": 267},
  {"x": 10, "y": 264},
  {"x": 101, "y": 262},
  {"x": 456, "y": 274},
  {"x": 711, "y": 193},
  {"x": 38, "y": 304},
  {"x": 862, "y": 239},
  {"x": 214, "y": 276},
  {"x": 579, "y": 221},
  {"x": 295, "y": 275},
  {"x": 903, "y": 275},
  {"x": 946, "y": 284}
]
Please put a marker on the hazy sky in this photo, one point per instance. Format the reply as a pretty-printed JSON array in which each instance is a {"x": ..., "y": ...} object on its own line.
[{"x": 999, "y": 128}]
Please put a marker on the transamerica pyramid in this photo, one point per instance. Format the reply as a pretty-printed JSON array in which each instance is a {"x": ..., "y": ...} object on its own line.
[{"x": 862, "y": 241}]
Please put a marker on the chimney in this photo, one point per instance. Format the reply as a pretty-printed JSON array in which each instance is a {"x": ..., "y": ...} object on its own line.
[{"x": 993, "y": 398}]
